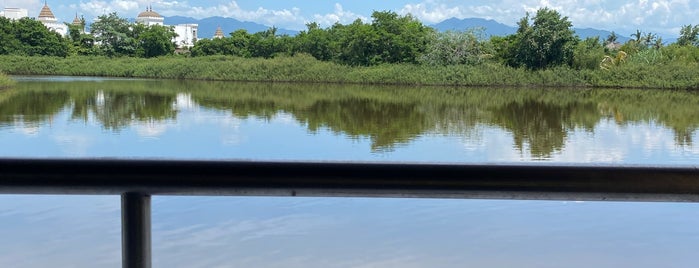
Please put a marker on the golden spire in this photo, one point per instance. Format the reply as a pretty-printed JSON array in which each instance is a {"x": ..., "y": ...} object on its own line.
[
  {"x": 76, "y": 20},
  {"x": 46, "y": 12},
  {"x": 219, "y": 33}
]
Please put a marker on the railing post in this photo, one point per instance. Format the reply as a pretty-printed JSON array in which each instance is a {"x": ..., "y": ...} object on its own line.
[{"x": 135, "y": 230}]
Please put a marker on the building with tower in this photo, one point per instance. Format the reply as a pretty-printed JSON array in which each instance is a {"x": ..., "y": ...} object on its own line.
[
  {"x": 150, "y": 17},
  {"x": 80, "y": 22},
  {"x": 186, "y": 33},
  {"x": 47, "y": 18},
  {"x": 218, "y": 33}
]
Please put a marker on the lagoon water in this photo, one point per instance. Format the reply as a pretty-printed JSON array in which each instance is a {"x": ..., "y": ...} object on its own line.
[{"x": 59, "y": 117}]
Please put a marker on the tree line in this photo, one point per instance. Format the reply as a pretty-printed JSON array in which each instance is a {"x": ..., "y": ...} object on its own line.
[
  {"x": 543, "y": 40},
  {"x": 110, "y": 35}
]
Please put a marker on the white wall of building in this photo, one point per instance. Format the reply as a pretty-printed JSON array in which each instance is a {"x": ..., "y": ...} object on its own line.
[
  {"x": 14, "y": 13},
  {"x": 186, "y": 34},
  {"x": 53, "y": 25}
]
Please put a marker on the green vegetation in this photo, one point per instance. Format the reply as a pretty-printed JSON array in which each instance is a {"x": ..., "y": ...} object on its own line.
[
  {"x": 391, "y": 49},
  {"x": 5, "y": 82},
  {"x": 674, "y": 74},
  {"x": 548, "y": 41},
  {"x": 29, "y": 37}
]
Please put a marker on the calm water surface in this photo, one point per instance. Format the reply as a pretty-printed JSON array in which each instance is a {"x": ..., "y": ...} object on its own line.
[{"x": 92, "y": 117}]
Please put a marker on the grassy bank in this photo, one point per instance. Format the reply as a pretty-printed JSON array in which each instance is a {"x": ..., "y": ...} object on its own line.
[
  {"x": 304, "y": 68},
  {"x": 5, "y": 82}
]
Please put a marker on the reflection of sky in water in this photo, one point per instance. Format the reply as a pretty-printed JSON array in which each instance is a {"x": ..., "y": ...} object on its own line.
[{"x": 60, "y": 231}]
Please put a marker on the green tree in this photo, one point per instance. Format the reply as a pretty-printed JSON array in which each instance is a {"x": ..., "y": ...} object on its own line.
[
  {"x": 505, "y": 49},
  {"x": 114, "y": 35},
  {"x": 82, "y": 43},
  {"x": 641, "y": 42},
  {"x": 356, "y": 43},
  {"x": 400, "y": 38},
  {"x": 588, "y": 54},
  {"x": 238, "y": 44},
  {"x": 638, "y": 35},
  {"x": 611, "y": 39},
  {"x": 548, "y": 41},
  {"x": 9, "y": 44},
  {"x": 207, "y": 47},
  {"x": 454, "y": 47},
  {"x": 156, "y": 40},
  {"x": 264, "y": 44},
  {"x": 689, "y": 36},
  {"x": 30, "y": 37},
  {"x": 315, "y": 41}
]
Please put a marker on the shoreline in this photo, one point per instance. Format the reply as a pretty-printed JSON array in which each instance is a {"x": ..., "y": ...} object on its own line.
[
  {"x": 6, "y": 82},
  {"x": 306, "y": 69}
]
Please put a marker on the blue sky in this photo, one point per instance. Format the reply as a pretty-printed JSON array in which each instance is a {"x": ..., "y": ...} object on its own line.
[{"x": 659, "y": 16}]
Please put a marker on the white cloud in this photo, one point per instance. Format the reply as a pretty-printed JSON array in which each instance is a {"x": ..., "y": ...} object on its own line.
[
  {"x": 661, "y": 16},
  {"x": 657, "y": 16},
  {"x": 260, "y": 15},
  {"x": 339, "y": 15},
  {"x": 289, "y": 18},
  {"x": 152, "y": 129}
]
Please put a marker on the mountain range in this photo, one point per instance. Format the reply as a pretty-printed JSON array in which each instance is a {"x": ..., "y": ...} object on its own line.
[
  {"x": 207, "y": 27},
  {"x": 494, "y": 28}
]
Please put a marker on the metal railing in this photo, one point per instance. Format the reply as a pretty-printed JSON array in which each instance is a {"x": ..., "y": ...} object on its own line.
[{"x": 137, "y": 180}]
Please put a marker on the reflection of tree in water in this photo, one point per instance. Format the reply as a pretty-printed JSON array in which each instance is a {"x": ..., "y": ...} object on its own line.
[
  {"x": 539, "y": 119},
  {"x": 676, "y": 110},
  {"x": 385, "y": 123},
  {"x": 544, "y": 126},
  {"x": 33, "y": 106},
  {"x": 117, "y": 110},
  {"x": 243, "y": 108}
]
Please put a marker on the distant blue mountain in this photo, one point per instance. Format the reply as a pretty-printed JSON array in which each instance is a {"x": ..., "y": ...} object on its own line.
[
  {"x": 490, "y": 27},
  {"x": 207, "y": 26},
  {"x": 494, "y": 28},
  {"x": 603, "y": 34}
]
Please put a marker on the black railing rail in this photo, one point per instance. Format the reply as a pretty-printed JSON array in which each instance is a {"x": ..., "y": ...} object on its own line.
[
  {"x": 137, "y": 180},
  {"x": 178, "y": 177}
]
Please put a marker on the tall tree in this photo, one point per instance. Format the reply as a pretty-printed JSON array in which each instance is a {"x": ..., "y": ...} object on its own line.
[
  {"x": 611, "y": 39},
  {"x": 30, "y": 37},
  {"x": 156, "y": 40},
  {"x": 689, "y": 36},
  {"x": 401, "y": 38},
  {"x": 548, "y": 41},
  {"x": 315, "y": 41},
  {"x": 356, "y": 43},
  {"x": 9, "y": 44},
  {"x": 82, "y": 43},
  {"x": 114, "y": 35}
]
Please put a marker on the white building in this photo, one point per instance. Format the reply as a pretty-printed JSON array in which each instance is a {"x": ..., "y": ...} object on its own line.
[
  {"x": 49, "y": 20},
  {"x": 186, "y": 33},
  {"x": 150, "y": 17},
  {"x": 14, "y": 13}
]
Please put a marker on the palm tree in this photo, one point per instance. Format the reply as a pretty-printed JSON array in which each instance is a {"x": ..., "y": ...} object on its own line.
[
  {"x": 658, "y": 43},
  {"x": 649, "y": 38},
  {"x": 611, "y": 39},
  {"x": 637, "y": 35}
]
